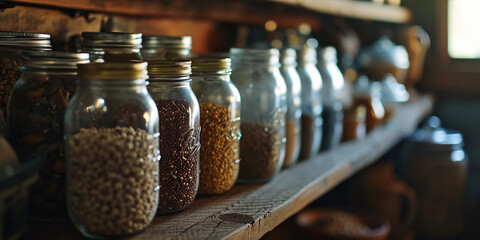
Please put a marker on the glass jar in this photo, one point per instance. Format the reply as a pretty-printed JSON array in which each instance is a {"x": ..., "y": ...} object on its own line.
[
  {"x": 368, "y": 94},
  {"x": 111, "y": 130},
  {"x": 312, "y": 84},
  {"x": 219, "y": 103},
  {"x": 166, "y": 47},
  {"x": 179, "y": 114},
  {"x": 354, "y": 126},
  {"x": 333, "y": 98},
  {"x": 294, "y": 106},
  {"x": 436, "y": 166},
  {"x": 112, "y": 46},
  {"x": 12, "y": 46},
  {"x": 35, "y": 117},
  {"x": 262, "y": 88}
]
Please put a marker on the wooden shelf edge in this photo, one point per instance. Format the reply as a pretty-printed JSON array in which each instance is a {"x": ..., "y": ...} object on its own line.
[
  {"x": 355, "y": 9},
  {"x": 250, "y": 211}
]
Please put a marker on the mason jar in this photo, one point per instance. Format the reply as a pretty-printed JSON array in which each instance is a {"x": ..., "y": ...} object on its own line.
[
  {"x": 219, "y": 103},
  {"x": 179, "y": 114},
  {"x": 257, "y": 76},
  {"x": 294, "y": 106},
  {"x": 112, "y": 46},
  {"x": 112, "y": 151},
  {"x": 312, "y": 108},
  {"x": 12, "y": 47},
  {"x": 35, "y": 115},
  {"x": 333, "y": 98},
  {"x": 166, "y": 47}
]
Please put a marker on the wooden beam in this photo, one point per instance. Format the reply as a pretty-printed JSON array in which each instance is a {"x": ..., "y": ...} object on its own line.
[
  {"x": 355, "y": 9},
  {"x": 250, "y": 211}
]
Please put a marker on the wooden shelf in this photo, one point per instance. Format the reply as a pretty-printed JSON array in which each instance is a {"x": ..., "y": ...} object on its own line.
[
  {"x": 355, "y": 9},
  {"x": 285, "y": 12},
  {"x": 250, "y": 211}
]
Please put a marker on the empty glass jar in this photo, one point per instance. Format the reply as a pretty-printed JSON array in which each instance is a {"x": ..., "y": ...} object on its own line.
[
  {"x": 112, "y": 130},
  {"x": 179, "y": 114},
  {"x": 294, "y": 106},
  {"x": 35, "y": 117},
  {"x": 333, "y": 98},
  {"x": 312, "y": 108},
  {"x": 220, "y": 121},
  {"x": 112, "y": 46},
  {"x": 262, "y": 88},
  {"x": 166, "y": 47}
]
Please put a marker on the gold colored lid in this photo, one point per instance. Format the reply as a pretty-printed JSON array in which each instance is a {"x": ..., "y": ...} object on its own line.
[
  {"x": 150, "y": 41},
  {"x": 208, "y": 64},
  {"x": 169, "y": 67},
  {"x": 133, "y": 70}
]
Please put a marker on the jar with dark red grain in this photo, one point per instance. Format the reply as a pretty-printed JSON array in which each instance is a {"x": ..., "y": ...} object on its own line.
[{"x": 179, "y": 114}]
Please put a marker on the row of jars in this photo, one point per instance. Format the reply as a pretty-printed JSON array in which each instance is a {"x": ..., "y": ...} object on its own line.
[{"x": 116, "y": 128}]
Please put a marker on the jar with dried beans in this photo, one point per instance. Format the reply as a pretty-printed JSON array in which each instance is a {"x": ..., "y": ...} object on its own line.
[
  {"x": 12, "y": 47},
  {"x": 112, "y": 151},
  {"x": 35, "y": 117}
]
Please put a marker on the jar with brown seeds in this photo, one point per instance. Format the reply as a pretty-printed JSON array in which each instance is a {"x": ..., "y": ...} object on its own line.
[
  {"x": 12, "y": 46},
  {"x": 262, "y": 88},
  {"x": 36, "y": 115},
  {"x": 179, "y": 115},
  {"x": 112, "y": 150},
  {"x": 220, "y": 121}
]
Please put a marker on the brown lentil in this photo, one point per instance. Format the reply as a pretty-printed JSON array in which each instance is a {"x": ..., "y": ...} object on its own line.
[
  {"x": 179, "y": 145},
  {"x": 113, "y": 180},
  {"x": 9, "y": 75},
  {"x": 219, "y": 156},
  {"x": 259, "y": 152}
]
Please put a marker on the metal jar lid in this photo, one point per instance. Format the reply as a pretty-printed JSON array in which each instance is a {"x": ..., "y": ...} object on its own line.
[
  {"x": 112, "y": 40},
  {"x": 54, "y": 60},
  {"x": 167, "y": 42},
  {"x": 163, "y": 68},
  {"x": 434, "y": 138},
  {"x": 25, "y": 40},
  {"x": 211, "y": 64},
  {"x": 288, "y": 57},
  {"x": 255, "y": 56},
  {"x": 113, "y": 71}
]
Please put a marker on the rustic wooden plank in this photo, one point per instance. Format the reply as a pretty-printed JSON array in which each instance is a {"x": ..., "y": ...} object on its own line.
[
  {"x": 355, "y": 9},
  {"x": 247, "y": 12},
  {"x": 250, "y": 211}
]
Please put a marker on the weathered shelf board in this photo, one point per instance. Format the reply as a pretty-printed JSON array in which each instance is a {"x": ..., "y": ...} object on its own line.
[
  {"x": 250, "y": 211},
  {"x": 355, "y": 9},
  {"x": 251, "y": 11}
]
